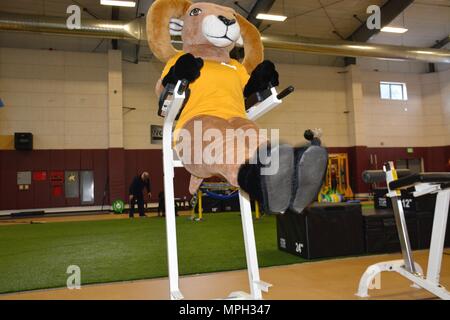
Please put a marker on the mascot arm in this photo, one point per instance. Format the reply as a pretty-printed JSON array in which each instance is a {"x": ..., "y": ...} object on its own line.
[
  {"x": 264, "y": 76},
  {"x": 159, "y": 88},
  {"x": 186, "y": 67}
]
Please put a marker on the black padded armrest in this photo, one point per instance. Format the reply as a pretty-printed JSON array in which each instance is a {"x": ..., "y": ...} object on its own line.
[
  {"x": 263, "y": 95},
  {"x": 374, "y": 176},
  {"x": 433, "y": 177},
  {"x": 256, "y": 98}
]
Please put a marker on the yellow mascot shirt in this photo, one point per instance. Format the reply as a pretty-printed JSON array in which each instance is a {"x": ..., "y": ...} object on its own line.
[{"x": 217, "y": 92}]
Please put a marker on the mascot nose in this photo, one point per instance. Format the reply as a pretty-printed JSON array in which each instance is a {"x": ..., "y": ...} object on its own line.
[{"x": 226, "y": 21}]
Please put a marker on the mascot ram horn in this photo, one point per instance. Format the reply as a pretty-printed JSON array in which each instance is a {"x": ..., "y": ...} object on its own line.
[{"x": 277, "y": 175}]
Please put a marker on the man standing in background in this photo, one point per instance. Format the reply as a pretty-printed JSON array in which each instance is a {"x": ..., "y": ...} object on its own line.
[{"x": 136, "y": 192}]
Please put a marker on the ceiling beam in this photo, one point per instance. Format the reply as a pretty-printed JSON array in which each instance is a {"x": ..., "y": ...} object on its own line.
[
  {"x": 388, "y": 12},
  {"x": 260, "y": 6},
  {"x": 115, "y": 16},
  {"x": 439, "y": 45},
  {"x": 442, "y": 43}
]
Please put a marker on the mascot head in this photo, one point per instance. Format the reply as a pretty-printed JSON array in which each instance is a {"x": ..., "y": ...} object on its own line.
[{"x": 208, "y": 31}]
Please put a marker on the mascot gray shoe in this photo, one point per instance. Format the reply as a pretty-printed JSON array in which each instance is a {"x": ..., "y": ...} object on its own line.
[{"x": 296, "y": 182}]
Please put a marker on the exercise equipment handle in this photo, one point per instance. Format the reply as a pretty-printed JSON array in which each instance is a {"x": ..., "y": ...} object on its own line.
[
  {"x": 285, "y": 92},
  {"x": 374, "y": 176}
]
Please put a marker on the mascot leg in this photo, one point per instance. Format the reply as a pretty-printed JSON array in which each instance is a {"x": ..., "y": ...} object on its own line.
[
  {"x": 310, "y": 168},
  {"x": 297, "y": 182},
  {"x": 269, "y": 179},
  {"x": 277, "y": 176},
  {"x": 230, "y": 142},
  {"x": 205, "y": 148}
]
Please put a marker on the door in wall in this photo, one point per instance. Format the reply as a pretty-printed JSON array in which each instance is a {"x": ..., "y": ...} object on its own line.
[{"x": 87, "y": 187}]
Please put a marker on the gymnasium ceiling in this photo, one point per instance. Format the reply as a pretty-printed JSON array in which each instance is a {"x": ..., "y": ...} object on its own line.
[{"x": 427, "y": 20}]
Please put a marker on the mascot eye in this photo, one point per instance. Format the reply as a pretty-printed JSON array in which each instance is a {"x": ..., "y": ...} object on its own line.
[{"x": 195, "y": 12}]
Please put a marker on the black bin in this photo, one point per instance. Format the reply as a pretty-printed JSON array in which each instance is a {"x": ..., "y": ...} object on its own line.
[
  {"x": 380, "y": 200},
  {"x": 409, "y": 202},
  {"x": 425, "y": 227},
  {"x": 322, "y": 230},
  {"x": 426, "y": 203},
  {"x": 380, "y": 231}
]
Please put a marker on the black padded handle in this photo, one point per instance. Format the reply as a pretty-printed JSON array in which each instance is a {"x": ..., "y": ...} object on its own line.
[
  {"x": 374, "y": 176},
  {"x": 285, "y": 92}
]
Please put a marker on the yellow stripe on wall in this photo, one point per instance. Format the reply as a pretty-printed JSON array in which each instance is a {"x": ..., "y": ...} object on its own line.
[{"x": 6, "y": 142}]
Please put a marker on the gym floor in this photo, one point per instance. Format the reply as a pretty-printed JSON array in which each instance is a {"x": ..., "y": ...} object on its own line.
[
  {"x": 324, "y": 280},
  {"x": 110, "y": 248},
  {"x": 329, "y": 279}
]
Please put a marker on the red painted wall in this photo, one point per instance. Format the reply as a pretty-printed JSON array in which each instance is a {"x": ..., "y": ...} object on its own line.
[
  {"x": 122, "y": 165},
  {"x": 118, "y": 164},
  {"x": 39, "y": 194}
]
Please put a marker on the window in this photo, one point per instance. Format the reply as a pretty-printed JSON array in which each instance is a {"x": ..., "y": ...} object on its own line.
[{"x": 393, "y": 91}]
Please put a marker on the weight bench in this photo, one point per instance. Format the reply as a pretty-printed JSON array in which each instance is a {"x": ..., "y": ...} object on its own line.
[
  {"x": 171, "y": 103},
  {"x": 418, "y": 184}
]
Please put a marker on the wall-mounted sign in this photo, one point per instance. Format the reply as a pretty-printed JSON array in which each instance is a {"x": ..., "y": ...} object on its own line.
[
  {"x": 39, "y": 175},
  {"x": 72, "y": 184},
  {"x": 156, "y": 133},
  {"x": 410, "y": 150},
  {"x": 57, "y": 178},
  {"x": 57, "y": 191},
  {"x": 24, "y": 177}
]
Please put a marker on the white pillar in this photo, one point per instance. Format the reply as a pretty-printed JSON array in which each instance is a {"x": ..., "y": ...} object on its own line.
[
  {"x": 116, "y": 152},
  {"x": 115, "y": 99},
  {"x": 355, "y": 106}
]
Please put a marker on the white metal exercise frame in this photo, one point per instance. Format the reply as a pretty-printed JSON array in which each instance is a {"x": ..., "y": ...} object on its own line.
[
  {"x": 169, "y": 162},
  {"x": 406, "y": 266}
]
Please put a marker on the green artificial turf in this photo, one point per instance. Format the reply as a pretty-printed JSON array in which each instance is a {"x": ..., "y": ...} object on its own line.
[{"x": 36, "y": 256}]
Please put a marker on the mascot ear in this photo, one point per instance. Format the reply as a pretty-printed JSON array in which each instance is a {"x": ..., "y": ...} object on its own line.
[
  {"x": 240, "y": 42},
  {"x": 253, "y": 47},
  {"x": 161, "y": 17}
]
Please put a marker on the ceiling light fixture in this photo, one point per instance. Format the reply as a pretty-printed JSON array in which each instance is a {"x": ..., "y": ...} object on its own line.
[
  {"x": 394, "y": 29},
  {"x": 271, "y": 17},
  {"x": 130, "y": 4}
]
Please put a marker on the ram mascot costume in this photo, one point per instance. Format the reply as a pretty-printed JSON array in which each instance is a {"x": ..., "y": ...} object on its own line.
[{"x": 218, "y": 88}]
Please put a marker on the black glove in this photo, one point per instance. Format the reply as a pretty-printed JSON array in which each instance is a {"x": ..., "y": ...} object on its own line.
[
  {"x": 187, "y": 67},
  {"x": 263, "y": 77},
  {"x": 310, "y": 136}
]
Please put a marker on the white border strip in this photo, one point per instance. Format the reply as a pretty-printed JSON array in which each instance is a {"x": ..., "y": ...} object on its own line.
[
  {"x": 57, "y": 210},
  {"x": 69, "y": 209}
]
